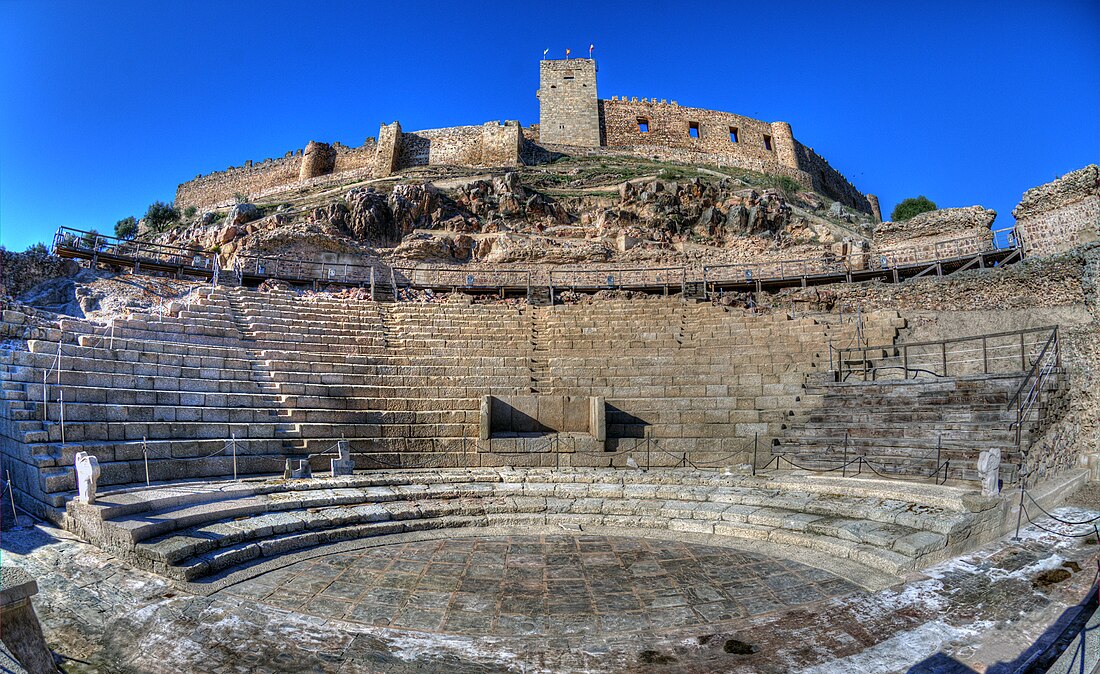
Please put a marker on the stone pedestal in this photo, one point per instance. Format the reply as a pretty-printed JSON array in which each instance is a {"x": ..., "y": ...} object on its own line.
[{"x": 19, "y": 627}]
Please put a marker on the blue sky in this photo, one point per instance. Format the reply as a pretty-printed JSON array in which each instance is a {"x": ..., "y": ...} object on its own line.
[{"x": 106, "y": 106}]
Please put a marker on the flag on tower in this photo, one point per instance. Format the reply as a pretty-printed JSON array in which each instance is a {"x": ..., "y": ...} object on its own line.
[
  {"x": 545, "y": 52},
  {"x": 567, "y": 53},
  {"x": 590, "y": 48}
]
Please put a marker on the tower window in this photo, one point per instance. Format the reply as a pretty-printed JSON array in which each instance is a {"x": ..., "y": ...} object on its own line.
[
  {"x": 693, "y": 129},
  {"x": 768, "y": 143},
  {"x": 733, "y": 134},
  {"x": 567, "y": 74},
  {"x": 643, "y": 125}
]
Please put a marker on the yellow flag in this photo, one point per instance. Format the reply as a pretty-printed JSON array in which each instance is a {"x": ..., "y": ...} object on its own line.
[{"x": 567, "y": 52}]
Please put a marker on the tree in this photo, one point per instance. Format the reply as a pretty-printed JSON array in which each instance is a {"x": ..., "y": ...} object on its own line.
[
  {"x": 126, "y": 228},
  {"x": 160, "y": 214},
  {"x": 37, "y": 249},
  {"x": 910, "y": 207}
]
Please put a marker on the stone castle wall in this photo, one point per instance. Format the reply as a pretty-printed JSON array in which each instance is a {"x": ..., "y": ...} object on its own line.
[
  {"x": 830, "y": 182},
  {"x": 669, "y": 126},
  {"x": 725, "y": 137},
  {"x": 490, "y": 144},
  {"x": 254, "y": 180},
  {"x": 1061, "y": 214},
  {"x": 571, "y": 118}
]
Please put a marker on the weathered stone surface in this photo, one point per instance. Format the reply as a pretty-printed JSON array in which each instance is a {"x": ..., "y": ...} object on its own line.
[{"x": 242, "y": 214}]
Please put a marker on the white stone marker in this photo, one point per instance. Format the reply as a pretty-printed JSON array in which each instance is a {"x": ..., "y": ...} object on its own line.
[{"x": 87, "y": 473}]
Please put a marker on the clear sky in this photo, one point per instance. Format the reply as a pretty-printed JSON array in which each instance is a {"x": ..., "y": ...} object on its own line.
[{"x": 106, "y": 106}]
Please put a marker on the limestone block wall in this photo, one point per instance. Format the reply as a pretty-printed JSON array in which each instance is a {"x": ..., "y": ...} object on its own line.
[{"x": 1061, "y": 214}]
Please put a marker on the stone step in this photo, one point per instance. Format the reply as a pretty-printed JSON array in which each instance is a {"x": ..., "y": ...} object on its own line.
[{"x": 199, "y": 537}]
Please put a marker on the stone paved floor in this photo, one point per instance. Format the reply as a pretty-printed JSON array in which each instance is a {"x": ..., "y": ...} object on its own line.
[
  {"x": 542, "y": 585},
  {"x": 989, "y": 612}
]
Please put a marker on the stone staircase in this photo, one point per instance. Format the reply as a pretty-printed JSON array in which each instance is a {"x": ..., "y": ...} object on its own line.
[{"x": 908, "y": 427}]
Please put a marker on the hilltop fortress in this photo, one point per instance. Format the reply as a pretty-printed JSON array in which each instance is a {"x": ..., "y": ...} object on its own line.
[{"x": 573, "y": 120}]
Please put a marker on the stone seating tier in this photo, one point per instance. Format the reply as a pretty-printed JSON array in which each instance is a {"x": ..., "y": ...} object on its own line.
[
  {"x": 288, "y": 376},
  {"x": 192, "y": 531},
  {"x": 909, "y": 426}
]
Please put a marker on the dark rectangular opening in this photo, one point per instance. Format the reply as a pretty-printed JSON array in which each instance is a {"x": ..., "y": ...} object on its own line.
[
  {"x": 693, "y": 129},
  {"x": 768, "y": 143},
  {"x": 733, "y": 134},
  {"x": 643, "y": 125},
  {"x": 567, "y": 74}
]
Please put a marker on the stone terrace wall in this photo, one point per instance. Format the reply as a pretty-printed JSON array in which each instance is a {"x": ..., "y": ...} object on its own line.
[
  {"x": 1057, "y": 290},
  {"x": 1059, "y": 215}
]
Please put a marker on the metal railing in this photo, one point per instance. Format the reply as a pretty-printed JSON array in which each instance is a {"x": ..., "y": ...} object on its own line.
[
  {"x": 138, "y": 251},
  {"x": 1028, "y": 396},
  {"x": 113, "y": 249},
  {"x": 461, "y": 278},
  {"x": 996, "y": 353}
]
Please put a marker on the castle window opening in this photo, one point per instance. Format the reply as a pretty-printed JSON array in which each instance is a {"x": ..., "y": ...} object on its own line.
[
  {"x": 643, "y": 125},
  {"x": 567, "y": 74},
  {"x": 768, "y": 143},
  {"x": 733, "y": 134},
  {"x": 693, "y": 129}
]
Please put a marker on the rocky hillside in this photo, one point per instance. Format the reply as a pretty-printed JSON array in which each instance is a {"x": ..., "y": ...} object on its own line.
[{"x": 575, "y": 210}]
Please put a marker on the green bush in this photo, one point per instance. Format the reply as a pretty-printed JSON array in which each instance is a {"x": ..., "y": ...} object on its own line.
[
  {"x": 788, "y": 184},
  {"x": 190, "y": 211},
  {"x": 160, "y": 215},
  {"x": 126, "y": 228},
  {"x": 910, "y": 207},
  {"x": 37, "y": 249}
]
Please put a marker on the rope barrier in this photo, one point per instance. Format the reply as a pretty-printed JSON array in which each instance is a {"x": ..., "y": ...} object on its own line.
[
  {"x": 1095, "y": 530},
  {"x": 1058, "y": 519}
]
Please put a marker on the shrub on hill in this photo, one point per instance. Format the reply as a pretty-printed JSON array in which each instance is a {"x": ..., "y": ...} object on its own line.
[
  {"x": 126, "y": 228},
  {"x": 910, "y": 207},
  {"x": 160, "y": 215}
]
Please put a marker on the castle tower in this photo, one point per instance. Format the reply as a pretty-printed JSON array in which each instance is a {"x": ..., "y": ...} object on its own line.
[
  {"x": 569, "y": 112},
  {"x": 783, "y": 141}
]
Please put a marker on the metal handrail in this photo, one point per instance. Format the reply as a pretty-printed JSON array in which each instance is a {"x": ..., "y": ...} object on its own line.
[
  {"x": 600, "y": 276},
  {"x": 1033, "y": 381},
  {"x": 847, "y": 357}
]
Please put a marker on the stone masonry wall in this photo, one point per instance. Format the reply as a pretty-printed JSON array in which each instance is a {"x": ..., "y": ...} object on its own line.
[
  {"x": 254, "y": 180},
  {"x": 669, "y": 126},
  {"x": 828, "y": 181},
  {"x": 1061, "y": 214},
  {"x": 770, "y": 148},
  {"x": 219, "y": 188},
  {"x": 568, "y": 110},
  {"x": 490, "y": 144},
  {"x": 939, "y": 234}
]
